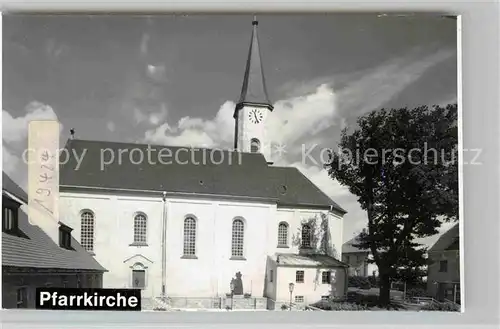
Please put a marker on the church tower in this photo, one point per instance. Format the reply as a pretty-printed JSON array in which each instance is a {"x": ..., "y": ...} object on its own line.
[{"x": 254, "y": 107}]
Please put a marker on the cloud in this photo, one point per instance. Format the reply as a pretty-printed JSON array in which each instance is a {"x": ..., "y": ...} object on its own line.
[
  {"x": 144, "y": 44},
  {"x": 16, "y": 129},
  {"x": 10, "y": 162},
  {"x": 156, "y": 118},
  {"x": 157, "y": 72},
  {"x": 15, "y": 134},
  {"x": 111, "y": 126},
  {"x": 292, "y": 119},
  {"x": 139, "y": 116},
  {"x": 302, "y": 116},
  {"x": 382, "y": 83},
  {"x": 153, "y": 118},
  {"x": 320, "y": 178}
]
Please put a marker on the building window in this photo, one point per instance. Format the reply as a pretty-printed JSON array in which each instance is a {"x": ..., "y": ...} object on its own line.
[
  {"x": 65, "y": 237},
  {"x": 237, "y": 238},
  {"x": 326, "y": 277},
  {"x": 87, "y": 231},
  {"x": 140, "y": 229},
  {"x": 189, "y": 236},
  {"x": 299, "y": 299},
  {"x": 282, "y": 234},
  {"x": 299, "y": 277},
  {"x": 325, "y": 297},
  {"x": 443, "y": 266},
  {"x": 22, "y": 298},
  {"x": 271, "y": 274},
  {"x": 9, "y": 219},
  {"x": 254, "y": 145},
  {"x": 306, "y": 236}
]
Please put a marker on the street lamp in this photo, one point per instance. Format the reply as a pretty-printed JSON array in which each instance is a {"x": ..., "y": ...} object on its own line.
[
  {"x": 231, "y": 286},
  {"x": 290, "y": 288}
]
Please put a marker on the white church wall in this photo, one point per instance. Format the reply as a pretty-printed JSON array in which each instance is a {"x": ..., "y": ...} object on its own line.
[
  {"x": 211, "y": 272},
  {"x": 113, "y": 235},
  {"x": 207, "y": 275},
  {"x": 185, "y": 276}
]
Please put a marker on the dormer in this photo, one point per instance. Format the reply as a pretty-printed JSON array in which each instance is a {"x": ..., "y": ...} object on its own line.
[
  {"x": 10, "y": 217},
  {"x": 65, "y": 236}
]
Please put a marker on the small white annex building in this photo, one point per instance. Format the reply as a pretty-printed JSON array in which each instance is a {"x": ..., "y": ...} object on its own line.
[{"x": 186, "y": 223}]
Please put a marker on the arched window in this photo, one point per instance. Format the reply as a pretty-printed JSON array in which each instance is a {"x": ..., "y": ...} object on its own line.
[
  {"x": 283, "y": 234},
  {"x": 254, "y": 145},
  {"x": 306, "y": 236},
  {"x": 237, "y": 238},
  {"x": 140, "y": 229},
  {"x": 189, "y": 236},
  {"x": 87, "y": 230}
]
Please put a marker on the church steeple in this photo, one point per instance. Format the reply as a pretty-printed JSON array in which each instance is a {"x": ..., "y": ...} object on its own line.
[
  {"x": 252, "y": 111},
  {"x": 254, "y": 91}
]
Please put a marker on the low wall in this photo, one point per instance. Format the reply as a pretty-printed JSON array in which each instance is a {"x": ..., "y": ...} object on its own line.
[{"x": 238, "y": 302}]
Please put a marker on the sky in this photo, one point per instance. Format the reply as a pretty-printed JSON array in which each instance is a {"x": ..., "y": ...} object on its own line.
[{"x": 174, "y": 80}]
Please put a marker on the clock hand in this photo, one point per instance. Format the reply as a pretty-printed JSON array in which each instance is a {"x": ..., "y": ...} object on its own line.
[{"x": 255, "y": 115}]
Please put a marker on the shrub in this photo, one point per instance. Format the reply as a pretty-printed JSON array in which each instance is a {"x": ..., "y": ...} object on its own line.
[
  {"x": 444, "y": 307},
  {"x": 247, "y": 295},
  {"x": 359, "y": 282},
  {"x": 338, "y": 306},
  {"x": 374, "y": 281},
  {"x": 416, "y": 292},
  {"x": 284, "y": 307}
]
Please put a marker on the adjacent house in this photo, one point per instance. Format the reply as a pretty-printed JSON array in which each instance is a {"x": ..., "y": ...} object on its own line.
[
  {"x": 37, "y": 255},
  {"x": 358, "y": 259},
  {"x": 443, "y": 271},
  {"x": 314, "y": 277}
]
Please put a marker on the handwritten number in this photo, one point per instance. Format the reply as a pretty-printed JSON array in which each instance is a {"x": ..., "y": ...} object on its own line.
[
  {"x": 44, "y": 207},
  {"x": 46, "y": 156},
  {"x": 48, "y": 167},
  {"x": 45, "y": 177},
  {"x": 42, "y": 190}
]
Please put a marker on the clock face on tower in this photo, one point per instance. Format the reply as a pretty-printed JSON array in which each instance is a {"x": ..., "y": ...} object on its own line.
[{"x": 255, "y": 116}]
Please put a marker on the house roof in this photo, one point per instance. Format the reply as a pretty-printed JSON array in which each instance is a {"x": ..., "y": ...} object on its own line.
[
  {"x": 186, "y": 170},
  {"x": 9, "y": 185},
  {"x": 448, "y": 241},
  {"x": 254, "y": 89},
  {"x": 311, "y": 260},
  {"x": 349, "y": 248},
  {"x": 40, "y": 251}
]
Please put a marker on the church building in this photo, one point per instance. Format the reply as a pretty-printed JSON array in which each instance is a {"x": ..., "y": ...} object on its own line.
[{"x": 196, "y": 226}]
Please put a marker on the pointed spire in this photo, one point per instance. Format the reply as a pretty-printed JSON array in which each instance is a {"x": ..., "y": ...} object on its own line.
[{"x": 254, "y": 89}]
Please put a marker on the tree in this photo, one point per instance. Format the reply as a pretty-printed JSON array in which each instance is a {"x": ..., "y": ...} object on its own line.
[{"x": 402, "y": 164}]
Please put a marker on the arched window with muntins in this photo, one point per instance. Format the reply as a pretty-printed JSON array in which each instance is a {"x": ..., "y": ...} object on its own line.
[
  {"x": 140, "y": 229},
  {"x": 306, "y": 236},
  {"x": 87, "y": 230},
  {"x": 189, "y": 236},
  {"x": 254, "y": 145},
  {"x": 237, "y": 238},
  {"x": 283, "y": 234}
]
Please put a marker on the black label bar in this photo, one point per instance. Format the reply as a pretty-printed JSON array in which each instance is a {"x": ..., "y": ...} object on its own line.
[{"x": 88, "y": 299}]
